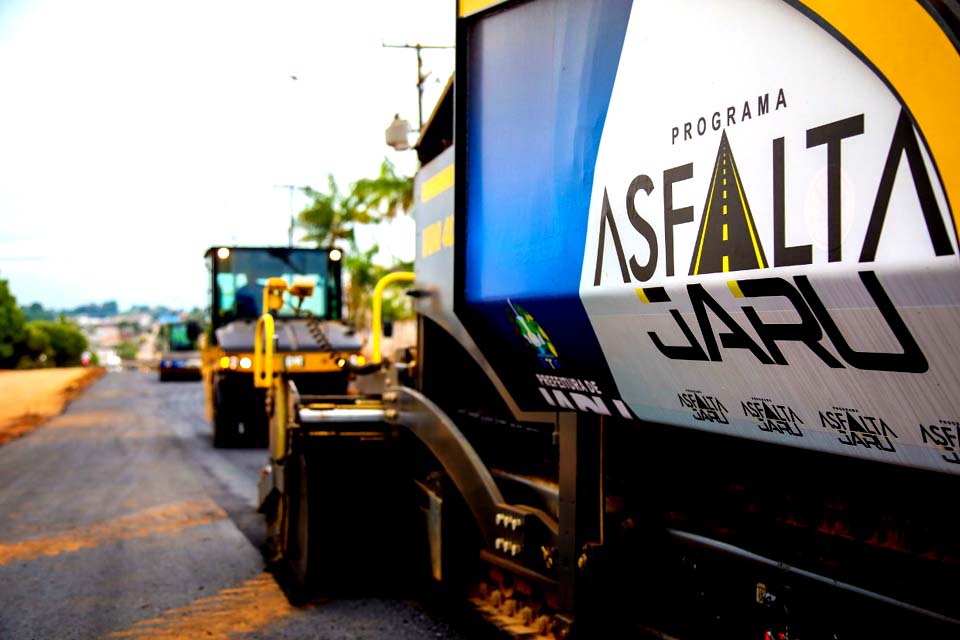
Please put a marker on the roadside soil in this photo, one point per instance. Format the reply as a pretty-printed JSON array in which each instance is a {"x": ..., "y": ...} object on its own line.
[{"x": 30, "y": 398}]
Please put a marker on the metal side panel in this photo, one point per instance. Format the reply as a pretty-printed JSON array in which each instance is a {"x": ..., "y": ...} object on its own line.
[{"x": 434, "y": 211}]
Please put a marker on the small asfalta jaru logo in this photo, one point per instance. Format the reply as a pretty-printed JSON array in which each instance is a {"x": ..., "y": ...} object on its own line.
[
  {"x": 703, "y": 406},
  {"x": 858, "y": 429},
  {"x": 945, "y": 435},
  {"x": 773, "y": 417},
  {"x": 533, "y": 335}
]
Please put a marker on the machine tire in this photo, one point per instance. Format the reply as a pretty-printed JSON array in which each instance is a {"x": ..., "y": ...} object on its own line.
[
  {"x": 225, "y": 424},
  {"x": 256, "y": 431},
  {"x": 295, "y": 528}
]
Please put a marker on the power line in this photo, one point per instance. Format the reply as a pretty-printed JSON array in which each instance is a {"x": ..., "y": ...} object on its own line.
[{"x": 420, "y": 75}]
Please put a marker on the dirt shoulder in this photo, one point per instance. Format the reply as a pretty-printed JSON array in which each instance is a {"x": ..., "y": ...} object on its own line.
[{"x": 30, "y": 398}]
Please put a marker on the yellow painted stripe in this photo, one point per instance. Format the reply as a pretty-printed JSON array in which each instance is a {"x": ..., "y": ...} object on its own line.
[
  {"x": 725, "y": 232},
  {"x": 735, "y": 288},
  {"x": 240, "y": 610},
  {"x": 469, "y": 7},
  {"x": 448, "y": 231},
  {"x": 706, "y": 222},
  {"x": 432, "y": 239},
  {"x": 724, "y": 209},
  {"x": 642, "y": 296},
  {"x": 746, "y": 216},
  {"x": 912, "y": 52},
  {"x": 163, "y": 519},
  {"x": 726, "y": 263},
  {"x": 435, "y": 185}
]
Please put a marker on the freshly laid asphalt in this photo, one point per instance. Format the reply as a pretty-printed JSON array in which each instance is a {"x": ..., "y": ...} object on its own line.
[{"x": 119, "y": 520}]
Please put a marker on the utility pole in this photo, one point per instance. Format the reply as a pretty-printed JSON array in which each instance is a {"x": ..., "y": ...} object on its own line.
[
  {"x": 290, "y": 188},
  {"x": 420, "y": 75}
]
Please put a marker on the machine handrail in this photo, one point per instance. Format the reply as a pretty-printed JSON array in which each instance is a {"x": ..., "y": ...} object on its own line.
[{"x": 377, "y": 329}]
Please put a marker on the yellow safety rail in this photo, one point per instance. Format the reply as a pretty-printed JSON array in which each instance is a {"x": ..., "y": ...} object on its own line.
[
  {"x": 263, "y": 335},
  {"x": 390, "y": 278},
  {"x": 263, "y": 352}
]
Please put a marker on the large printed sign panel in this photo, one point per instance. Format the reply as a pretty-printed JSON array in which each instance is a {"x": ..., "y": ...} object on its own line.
[{"x": 769, "y": 251}]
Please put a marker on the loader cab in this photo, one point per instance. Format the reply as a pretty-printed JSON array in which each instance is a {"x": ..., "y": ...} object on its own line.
[
  {"x": 309, "y": 343},
  {"x": 238, "y": 276}
]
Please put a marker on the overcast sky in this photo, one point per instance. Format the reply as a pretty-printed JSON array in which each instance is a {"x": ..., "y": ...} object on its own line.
[{"x": 134, "y": 135}]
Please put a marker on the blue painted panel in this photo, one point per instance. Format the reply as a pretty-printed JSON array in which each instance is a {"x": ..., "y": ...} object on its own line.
[{"x": 541, "y": 74}]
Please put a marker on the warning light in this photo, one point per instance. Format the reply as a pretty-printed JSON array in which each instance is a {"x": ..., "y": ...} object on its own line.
[
  {"x": 335, "y": 255},
  {"x": 224, "y": 362},
  {"x": 341, "y": 362},
  {"x": 223, "y": 253},
  {"x": 245, "y": 362}
]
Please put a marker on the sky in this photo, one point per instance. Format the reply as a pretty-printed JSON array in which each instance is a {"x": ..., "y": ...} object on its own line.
[{"x": 135, "y": 135}]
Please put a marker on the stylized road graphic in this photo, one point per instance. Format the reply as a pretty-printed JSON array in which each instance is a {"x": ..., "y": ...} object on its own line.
[{"x": 728, "y": 239}]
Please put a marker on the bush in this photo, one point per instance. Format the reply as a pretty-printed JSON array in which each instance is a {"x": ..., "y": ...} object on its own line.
[
  {"x": 11, "y": 325},
  {"x": 50, "y": 344}
]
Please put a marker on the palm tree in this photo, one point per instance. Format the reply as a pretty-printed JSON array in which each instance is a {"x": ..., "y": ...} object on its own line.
[
  {"x": 332, "y": 217},
  {"x": 388, "y": 193}
]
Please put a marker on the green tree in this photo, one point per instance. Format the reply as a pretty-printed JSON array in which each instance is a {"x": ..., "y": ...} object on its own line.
[
  {"x": 331, "y": 217},
  {"x": 35, "y": 350},
  {"x": 127, "y": 350},
  {"x": 364, "y": 274},
  {"x": 66, "y": 340},
  {"x": 388, "y": 193},
  {"x": 35, "y": 311},
  {"x": 11, "y": 325}
]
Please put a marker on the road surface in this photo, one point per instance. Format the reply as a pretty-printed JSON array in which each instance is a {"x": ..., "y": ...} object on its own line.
[
  {"x": 119, "y": 520},
  {"x": 728, "y": 239}
]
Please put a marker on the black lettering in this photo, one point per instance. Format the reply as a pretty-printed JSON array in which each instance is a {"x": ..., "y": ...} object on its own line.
[
  {"x": 673, "y": 216},
  {"x": 691, "y": 351},
  {"x": 781, "y": 100},
  {"x": 715, "y": 121},
  {"x": 686, "y": 131},
  {"x": 763, "y": 104},
  {"x": 606, "y": 215},
  {"x": 645, "y": 272},
  {"x": 783, "y": 255},
  {"x": 932, "y": 433},
  {"x": 701, "y": 126},
  {"x": 828, "y": 419},
  {"x": 736, "y": 338},
  {"x": 911, "y": 360},
  {"x": 746, "y": 111},
  {"x": 807, "y": 331},
  {"x": 731, "y": 116},
  {"x": 831, "y": 134},
  {"x": 904, "y": 140},
  {"x": 676, "y": 132}
]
